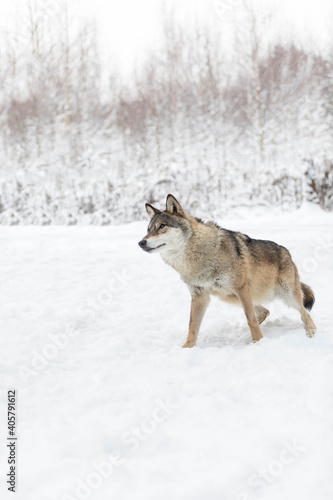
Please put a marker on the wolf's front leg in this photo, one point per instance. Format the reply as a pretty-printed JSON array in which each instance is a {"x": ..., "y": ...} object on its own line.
[
  {"x": 199, "y": 303},
  {"x": 244, "y": 295}
]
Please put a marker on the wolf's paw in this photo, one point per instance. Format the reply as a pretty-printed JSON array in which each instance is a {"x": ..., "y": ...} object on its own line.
[
  {"x": 189, "y": 344},
  {"x": 254, "y": 340},
  {"x": 311, "y": 333},
  {"x": 263, "y": 316},
  {"x": 262, "y": 313}
]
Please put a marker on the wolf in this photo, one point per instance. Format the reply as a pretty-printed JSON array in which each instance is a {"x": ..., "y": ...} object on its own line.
[{"x": 228, "y": 264}]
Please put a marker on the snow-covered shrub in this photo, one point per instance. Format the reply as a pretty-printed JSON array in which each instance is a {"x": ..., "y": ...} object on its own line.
[{"x": 217, "y": 131}]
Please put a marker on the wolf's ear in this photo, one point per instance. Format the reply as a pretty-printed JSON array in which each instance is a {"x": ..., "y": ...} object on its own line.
[
  {"x": 172, "y": 205},
  {"x": 151, "y": 211}
]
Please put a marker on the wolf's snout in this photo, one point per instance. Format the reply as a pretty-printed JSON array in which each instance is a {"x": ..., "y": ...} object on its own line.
[{"x": 142, "y": 243}]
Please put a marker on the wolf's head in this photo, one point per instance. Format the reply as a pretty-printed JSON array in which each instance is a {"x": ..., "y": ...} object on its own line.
[{"x": 168, "y": 230}]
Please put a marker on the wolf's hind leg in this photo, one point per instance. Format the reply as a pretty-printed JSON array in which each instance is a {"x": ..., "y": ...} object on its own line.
[
  {"x": 261, "y": 313},
  {"x": 199, "y": 303},
  {"x": 244, "y": 295}
]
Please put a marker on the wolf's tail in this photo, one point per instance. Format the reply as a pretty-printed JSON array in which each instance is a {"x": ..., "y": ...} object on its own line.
[{"x": 308, "y": 297}]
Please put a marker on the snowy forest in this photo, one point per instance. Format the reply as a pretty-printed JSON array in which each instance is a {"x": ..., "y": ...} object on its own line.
[{"x": 219, "y": 122}]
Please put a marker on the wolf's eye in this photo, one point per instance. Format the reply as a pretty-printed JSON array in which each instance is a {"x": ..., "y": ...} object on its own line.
[{"x": 161, "y": 226}]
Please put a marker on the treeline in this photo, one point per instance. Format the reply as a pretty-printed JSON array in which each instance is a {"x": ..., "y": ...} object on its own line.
[{"x": 219, "y": 127}]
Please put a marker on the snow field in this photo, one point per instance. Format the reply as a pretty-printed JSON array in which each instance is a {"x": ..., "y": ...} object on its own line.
[{"x": 110, "y": 406}]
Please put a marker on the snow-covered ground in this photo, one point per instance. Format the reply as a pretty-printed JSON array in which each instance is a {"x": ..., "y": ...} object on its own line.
[{"x": 110, "y": 406}]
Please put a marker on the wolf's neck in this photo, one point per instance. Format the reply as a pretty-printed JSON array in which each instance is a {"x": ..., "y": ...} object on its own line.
[{"x": 176, "y": 258}]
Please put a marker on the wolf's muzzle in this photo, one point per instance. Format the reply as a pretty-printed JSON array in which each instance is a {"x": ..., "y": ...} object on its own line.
[{"x": 143, "y": 244}]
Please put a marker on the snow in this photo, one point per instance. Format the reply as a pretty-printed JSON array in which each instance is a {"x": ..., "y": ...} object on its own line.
[{"x": 110, "y": 406}]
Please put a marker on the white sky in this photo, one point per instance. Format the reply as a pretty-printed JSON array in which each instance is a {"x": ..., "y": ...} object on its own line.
[{"x": 127, "y": 28}]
